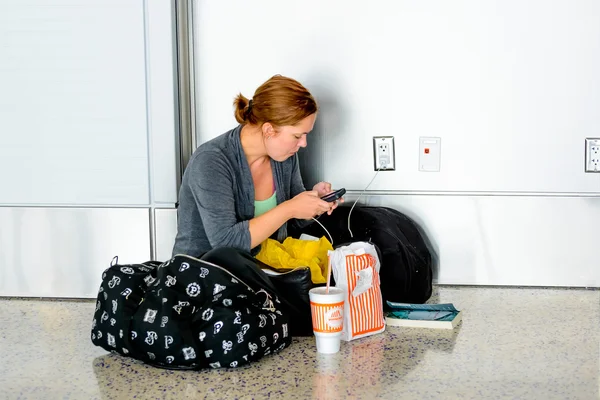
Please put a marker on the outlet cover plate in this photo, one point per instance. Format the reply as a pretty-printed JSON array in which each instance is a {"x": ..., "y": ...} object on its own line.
[
  {"x": 592, "y": 155},
  {"x": 430, "y": 150},
  {"x": 384, "y": 153}
]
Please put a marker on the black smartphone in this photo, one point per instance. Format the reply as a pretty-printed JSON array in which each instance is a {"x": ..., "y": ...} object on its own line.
[{"x": 333, "y": 196}]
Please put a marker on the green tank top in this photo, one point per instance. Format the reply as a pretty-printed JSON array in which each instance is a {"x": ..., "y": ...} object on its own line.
[{"x": 262, "y": 206}]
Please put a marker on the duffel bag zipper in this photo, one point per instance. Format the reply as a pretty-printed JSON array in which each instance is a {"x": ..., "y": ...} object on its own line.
[
  {"x": 147, "y": 264},
  {"x": 271, "y": 305},
  {"x": 287, "y": 272}
]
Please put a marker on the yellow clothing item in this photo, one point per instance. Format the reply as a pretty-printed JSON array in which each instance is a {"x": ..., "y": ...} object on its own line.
[{"x": 293, "y": 253}]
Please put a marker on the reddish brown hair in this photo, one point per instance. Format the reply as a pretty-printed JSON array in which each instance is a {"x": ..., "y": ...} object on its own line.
[{"x": 280, "y": 101}]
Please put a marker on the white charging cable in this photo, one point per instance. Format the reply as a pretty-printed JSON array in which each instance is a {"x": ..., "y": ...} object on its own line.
[
  {"x": 363, "y": 192},
  {"x": 350, "y": 213},
  {"x": 328, "y": 234}
]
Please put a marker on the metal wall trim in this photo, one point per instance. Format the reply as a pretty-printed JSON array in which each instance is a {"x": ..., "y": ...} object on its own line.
[
  {"x": 185, "y": 83},
  {"x": 152, "y": 226},
  {"x": 370, "y": 193}
]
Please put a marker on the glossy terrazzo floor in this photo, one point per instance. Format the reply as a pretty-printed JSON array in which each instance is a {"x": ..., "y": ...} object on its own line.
[{"x": 512, "y": 343}]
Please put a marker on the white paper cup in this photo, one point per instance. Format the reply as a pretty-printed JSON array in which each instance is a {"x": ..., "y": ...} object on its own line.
[{"x": 327, "y": 310}]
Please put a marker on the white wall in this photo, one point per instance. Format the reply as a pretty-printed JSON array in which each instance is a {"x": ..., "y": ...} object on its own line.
[
  {"x": 511, "y": 87},
  {"x": 87, "y": 140},
  {"x": 69, "y": 100},
  {"x": 77, "y": 80}
]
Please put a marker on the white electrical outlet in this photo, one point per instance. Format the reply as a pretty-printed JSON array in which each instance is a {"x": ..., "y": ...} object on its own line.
[
  {"x": 383, "y": 153},
  {"x": 592, "y": 155}
]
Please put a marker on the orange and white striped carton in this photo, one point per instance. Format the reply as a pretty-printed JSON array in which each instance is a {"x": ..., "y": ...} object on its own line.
[{"x": 356, "y": 271}]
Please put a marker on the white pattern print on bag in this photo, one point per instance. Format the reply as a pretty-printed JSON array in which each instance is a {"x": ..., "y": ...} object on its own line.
[
  {"x": 150, "y": 316},
  {"x": 133, "y": 335},
  {"x": 253, "y": 348},
  {"x": 105, "y": 295},
  {"x": 218, "y": 288},
  {"x": 151, "y": 337},
  {"x": 193, "y": 289},
  {"x": 201, "y": 336},
  {"x": 215, "y": 365},
  {"x": 275, "y": 337},
  {"x": 227, "y": 346},
  {"x": 121, "y": 333},
  {"x": 227, "y": 302},
  {"x": 99, "y": 336},
  {"x": 245, "y": 357},
  {"x": 97, "y": 306},
  {"x": 188, "y": 353},
  {"x": 238, "y": 317},
  {"x": 240, "y": 337},
  {"x": 170, "y": 359},
  {"x": 184, "y": 266},
  {"x": 149, "y": 280},
  {"x": 245, "y": 328},
  {"x": 218, "y": 326},
  {"x": 114, "y": 306},
  {"x": 263, "y": 341},
  {"x": 168, "y": 341},
  {"x": 273, "y": 317},
  {"x": 151, "y": 356},
  {"x": 127, "y": 270},
  {"x": 233, "y": 364},
  {"x": 115, "y": 281},
  {"x": 207, "y": 314},
  {"x": 104, "y": 316},
  {"x": 171, "y": 281},
  {"x": 263, "y": 321},
  {"x": 285, "y": 330},
  {"x": 163, "y": 321},
  {"x": 113, "y": 322},
  {"x": 94, "y": 323},
  {"x": 179, "y": 307},
  {"x": 125, "y": 351},
  {"x": 203, "y": 272},
  {"x": 207, "y": 353}
]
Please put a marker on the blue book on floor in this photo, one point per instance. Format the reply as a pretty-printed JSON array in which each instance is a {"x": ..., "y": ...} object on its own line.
[{"x": 440, "y": 316}]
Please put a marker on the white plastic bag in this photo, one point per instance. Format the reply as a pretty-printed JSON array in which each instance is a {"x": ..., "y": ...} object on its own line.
[{"x": 356, "y": 271}]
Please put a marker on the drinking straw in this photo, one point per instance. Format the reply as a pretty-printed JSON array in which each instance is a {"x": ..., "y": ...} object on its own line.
[{"x": 328, "y": 274}]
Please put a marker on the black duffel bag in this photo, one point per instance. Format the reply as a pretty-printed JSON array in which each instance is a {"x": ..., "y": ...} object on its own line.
[
  {"x": 406, "y": 263},
  {"x": 217, "y": 311}
]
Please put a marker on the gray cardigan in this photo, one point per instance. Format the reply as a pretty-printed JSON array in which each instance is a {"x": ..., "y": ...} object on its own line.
[{"x": 216, "y": 198}]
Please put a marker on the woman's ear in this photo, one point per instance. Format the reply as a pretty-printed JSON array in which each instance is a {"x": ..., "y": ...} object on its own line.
[{"x": 268, "y": 130}]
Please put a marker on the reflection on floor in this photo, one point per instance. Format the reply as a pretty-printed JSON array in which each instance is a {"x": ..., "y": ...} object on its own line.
[{"x": 512, "y": 343}]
